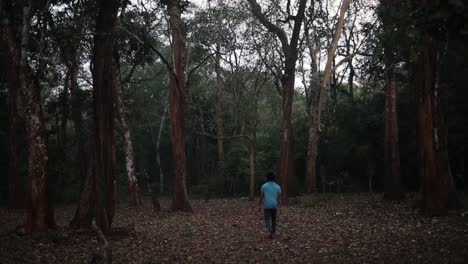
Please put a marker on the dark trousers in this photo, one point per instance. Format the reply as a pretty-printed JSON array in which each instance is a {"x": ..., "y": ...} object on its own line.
[{"x": 270, "y": 220}]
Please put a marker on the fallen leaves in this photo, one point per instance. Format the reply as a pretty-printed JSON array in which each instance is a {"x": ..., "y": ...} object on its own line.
[{"x": 314, "y": 229}]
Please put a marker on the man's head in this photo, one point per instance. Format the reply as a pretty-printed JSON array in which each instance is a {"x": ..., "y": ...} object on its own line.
[{"x": 270, "y": 176}]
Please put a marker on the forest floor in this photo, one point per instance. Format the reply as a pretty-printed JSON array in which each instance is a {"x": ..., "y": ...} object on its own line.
[{"x": 325, "y": 228}]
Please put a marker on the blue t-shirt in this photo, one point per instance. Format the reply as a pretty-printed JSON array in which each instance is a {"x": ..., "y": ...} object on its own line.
[{"x": 271, "y": 191}]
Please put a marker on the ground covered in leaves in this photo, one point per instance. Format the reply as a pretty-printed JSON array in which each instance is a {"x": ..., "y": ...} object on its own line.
[{"x": 314, "y": 229}]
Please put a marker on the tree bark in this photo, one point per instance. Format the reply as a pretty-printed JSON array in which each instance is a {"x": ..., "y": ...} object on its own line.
[
  {"x": 103, "y": 106},
  {"x": 317, "y": 98},
  {"x": 219, "y": 115},
  {"x": 83, "y": 213},
  {"x": 392, "y": 153},
  {"x": 252, "y": 161},
  {"x": 15, "y": 183},
  {"x": 253, "y": 152},
  {"x": 133, "y": 187},
  {"x": 290, "y": 51},
  {"x": 312, "y": 149},
  {"x": 432, "y": 150},
  {"x": 77, "y": 112},
  {"x": 176, "y": 108},
  {"x": 158, "y": 151},
  {"x": 37, "y": 217}
]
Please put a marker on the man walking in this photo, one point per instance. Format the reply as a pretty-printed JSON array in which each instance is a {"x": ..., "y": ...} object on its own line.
[{"x": 270, "y": 197}]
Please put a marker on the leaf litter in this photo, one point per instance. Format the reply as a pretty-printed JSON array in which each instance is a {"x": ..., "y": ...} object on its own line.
[{"x": 322, "y": 228}]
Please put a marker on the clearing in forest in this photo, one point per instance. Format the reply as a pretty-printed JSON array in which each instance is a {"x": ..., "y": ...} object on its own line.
[{"x": 329, "y": 228}]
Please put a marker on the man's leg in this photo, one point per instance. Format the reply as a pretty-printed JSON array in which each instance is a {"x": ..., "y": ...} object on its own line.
[
  {"x": 267, "y": 214},
  {"x": 273, "y": 221}
]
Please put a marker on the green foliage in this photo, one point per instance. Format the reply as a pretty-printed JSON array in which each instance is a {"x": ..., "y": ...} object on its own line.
[{"x": 352, "y": 130}]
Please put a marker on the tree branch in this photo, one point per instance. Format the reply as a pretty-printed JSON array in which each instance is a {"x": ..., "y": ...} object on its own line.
[{"x": 257, "y": 12}]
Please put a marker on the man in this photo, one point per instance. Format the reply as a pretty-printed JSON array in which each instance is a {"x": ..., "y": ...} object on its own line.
[{"x": 270, "y": 197}]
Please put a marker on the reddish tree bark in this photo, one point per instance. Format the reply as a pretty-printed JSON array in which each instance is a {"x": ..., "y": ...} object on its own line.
[
  {"x": 37, "y": 217},
  {"x": 392, "y": 152},
  {"x": 432, "y": 151},
  {"x": 103, "y": 106},
  {"x": 392, "y": 155},
  {"x": 176, "y": 108}
]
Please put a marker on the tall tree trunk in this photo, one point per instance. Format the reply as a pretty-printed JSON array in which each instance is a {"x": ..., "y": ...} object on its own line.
[
  {"x": 37, "y": 217},
  {"x": 103, "y": 106},
  {"x": 85, "y": 212},
  {"x": 176, "y": 109},
  {"x": 286, "y": 144},
  {"x": 77, "y": 113},
  {"x": 290, "y": 52},
  {"x": 158, "y": 151},
  {"x": 15, "y": 184},
  {"x": 133, "y": 187},
  {"x": 432, "y": 151},
  {"x": 253, "y": 152},
  {"x": 252, "y": 161},
  {"x": 83, "y": 216},
  {"x": 312, "y": 149},
  {"x": 318, "y": 97},
  {"x": 392, "y": 153},
  {"x": 219, "y": 116}
]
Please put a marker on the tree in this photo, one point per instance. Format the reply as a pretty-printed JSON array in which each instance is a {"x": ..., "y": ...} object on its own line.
[
  {"x": 103, "y": 94},
  {"x": 38, "y": 208},
  {"x": 316, "y": 94},
  {"x": 176, "y": 106},
  {"x": 437, "y": 186},
  {"x": 133, "y": 187},
  {"x": 15, "y": 192},
  {"x": 97, "y": 198},
  {"x": 290, "y": 53},
  {"x": 392, "y": 152}
]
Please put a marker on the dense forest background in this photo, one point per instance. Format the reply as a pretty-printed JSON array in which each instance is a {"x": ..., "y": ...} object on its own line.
[{"x": 235, "y": 66}]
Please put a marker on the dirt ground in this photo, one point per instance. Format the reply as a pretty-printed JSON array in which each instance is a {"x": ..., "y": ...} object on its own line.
[{"x": 348, "y": 228}]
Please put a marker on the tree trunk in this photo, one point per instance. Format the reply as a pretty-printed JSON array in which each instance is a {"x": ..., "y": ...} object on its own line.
[
  {"x": 133, "y": 187},
  {"x": 103, "y": 106},
  {"x": 392, "y": 182},
  {"x": 432, "y": 152},
  {"x": 77, "y": 112},
  {"x": 286, "y": 147},
  {"x": 252, "y": 161},
  {"x": 37, "y": 217},
  {"x": 180, "y": 198},
  {"x": 219, "y": 116},
  {"x": 392, "y": 156},
  {"x": 83, "y": 214},
  {"x": 317, "y": 99},
  {"x": 312, "y": 147},
  {"x": 290, "y": 52},
  {"x": 253, "y": 153},
  {"x": 15, "y": 184},
  {"x": 158, "y": 155}
]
